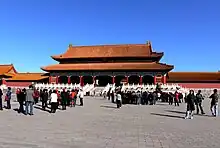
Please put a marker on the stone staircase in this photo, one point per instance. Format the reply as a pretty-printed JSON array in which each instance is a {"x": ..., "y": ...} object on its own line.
[{"x": 97, "y": 90}]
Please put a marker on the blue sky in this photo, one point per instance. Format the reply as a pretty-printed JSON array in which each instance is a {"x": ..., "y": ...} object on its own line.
[{"x": 188, "y": 31}]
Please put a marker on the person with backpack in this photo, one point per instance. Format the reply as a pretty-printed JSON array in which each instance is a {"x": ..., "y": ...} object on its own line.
[{"x": 214, "y": 103}]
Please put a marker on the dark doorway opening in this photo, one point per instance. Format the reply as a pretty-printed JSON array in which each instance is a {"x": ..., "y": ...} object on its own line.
[
  {"x": 87, "y": 80},
  {"x": 134, "y": 80},
  {"x": 63, "y": 79},
  {"x": 75, "y": 79},
  {"x": 118, "y": 80},
  {"x": 104, "y": 80},
  {"x": 148, "y": 79}
]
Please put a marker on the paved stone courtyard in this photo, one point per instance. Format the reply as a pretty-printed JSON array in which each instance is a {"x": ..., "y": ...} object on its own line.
[{"x": 99, "y": 124}]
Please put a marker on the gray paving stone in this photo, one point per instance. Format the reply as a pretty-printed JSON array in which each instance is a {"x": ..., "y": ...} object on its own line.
[{"x": 99, "y": 124}]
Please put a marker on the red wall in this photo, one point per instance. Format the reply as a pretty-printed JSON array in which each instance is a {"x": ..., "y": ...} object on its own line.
[
  {"x": 200, "y": 85},
  {"x": 18, "y": 84}
]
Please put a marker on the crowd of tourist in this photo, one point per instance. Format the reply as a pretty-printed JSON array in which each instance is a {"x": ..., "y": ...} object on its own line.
[
  {"x": 49, "y": 98},
  {"x": 143, "y": 97},
  {"x": 54, "y": 99}
]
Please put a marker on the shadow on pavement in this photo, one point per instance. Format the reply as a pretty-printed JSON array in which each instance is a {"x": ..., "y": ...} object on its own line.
[
  {"x": 165, "y": 115},
  {"x": 40, "y": 108},
  {"x": 180, "y": 112},
  {"x": 17, "y": 110},
  {"x": 161, "y": 104},
  {"x": 105, "y": 106}
]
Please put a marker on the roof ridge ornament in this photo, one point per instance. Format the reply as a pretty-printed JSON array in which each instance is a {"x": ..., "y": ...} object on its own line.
[
  {"x": 149, "y": 44},
  {"x": 70, "y": 45}
]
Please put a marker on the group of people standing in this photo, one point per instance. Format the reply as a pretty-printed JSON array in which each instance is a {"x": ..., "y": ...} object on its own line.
[
  {"x": 193, "y": 100},
  {"x": 28, "y": 97},
  {"x": 7, "y": 99}
]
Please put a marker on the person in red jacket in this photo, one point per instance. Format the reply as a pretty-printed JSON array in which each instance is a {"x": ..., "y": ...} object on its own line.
[
  {"x": 176, "y": 99},
  {"x": 36, "y": 96}
]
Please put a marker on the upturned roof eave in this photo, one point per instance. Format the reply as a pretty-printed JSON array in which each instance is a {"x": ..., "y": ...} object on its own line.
[
  {"x": 48, "y": 69},
  {"x": 57, "y": 58}
]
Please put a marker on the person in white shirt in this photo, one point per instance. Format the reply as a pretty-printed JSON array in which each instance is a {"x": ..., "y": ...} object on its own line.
[
  {"x": 53, "y": 101},
  {"x": 81, "y": 96},
  {"x": 118, "y": 99}
]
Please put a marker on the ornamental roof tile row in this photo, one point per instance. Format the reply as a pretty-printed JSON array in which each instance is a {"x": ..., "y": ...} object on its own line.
[
  {"x": 28, "y": 77},
  {"x": 105, "y": 51},
  {"x": 12, "y": 75},
  {"x": 5, "y": 69},
  {"x": 108, "y": 66}
]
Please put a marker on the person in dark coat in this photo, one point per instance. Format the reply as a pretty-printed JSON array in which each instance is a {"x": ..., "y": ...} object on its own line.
[
  {"x": 145, "y": 98},
  {"x": 198, "y": 102},
  {"x": 214, "y": 103},
  {"x": 8, "y": 98},
  {"x": 154, "y": 97},
  {"x": 1, "y": 94},
  {"x": 21, "y": 98},
  {"x": 64, "y": 98},
  {"x": 190, "y": 100},
  {"x": 44, "y": 97},
  {"x": 170, "y": 98}
]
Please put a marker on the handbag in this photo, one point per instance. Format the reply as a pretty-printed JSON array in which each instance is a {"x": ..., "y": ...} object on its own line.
[{"x": 6, "y": 98}]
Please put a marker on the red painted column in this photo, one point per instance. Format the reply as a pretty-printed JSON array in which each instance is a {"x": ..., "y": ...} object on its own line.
[
  {"x": 141, "y": 80},
  {"x": 3, "y": 81},
  {"x": 127, "y": 79},
  {"x": 113, "y": 79},
  {"x": 164, "y": 79},
  {"x": 57, "y": 79},
  {"x": 155, "y": 80},
  {"x": 50, "y": 79},
  {"x": 69, "y": 80},
  {"x": 81, "y": 81},
  {"x": 93, "y": 79}
]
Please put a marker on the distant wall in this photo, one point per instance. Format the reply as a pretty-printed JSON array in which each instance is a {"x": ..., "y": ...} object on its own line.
[
  {"x": 18, "y": 84},
  {"x": 199, "y": 85}
]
